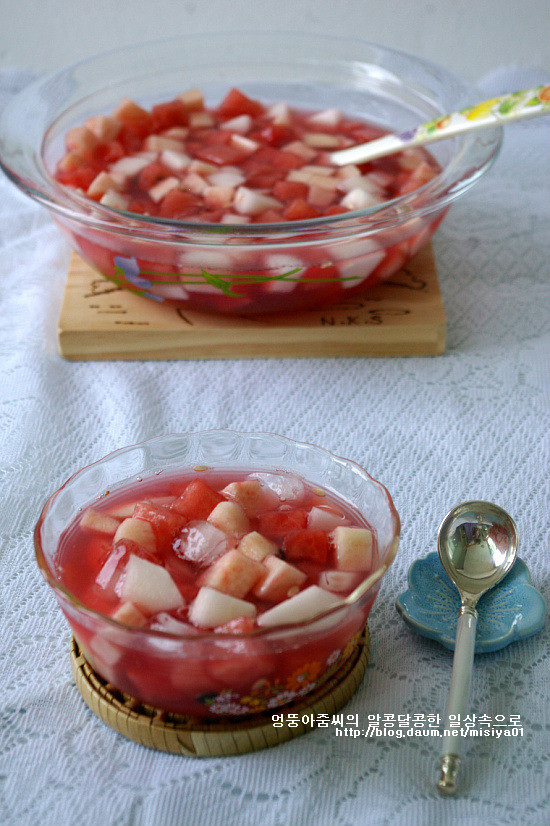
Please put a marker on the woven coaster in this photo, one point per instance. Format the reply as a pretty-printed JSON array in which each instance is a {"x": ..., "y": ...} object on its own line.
[{"x": 194, "y": 737}]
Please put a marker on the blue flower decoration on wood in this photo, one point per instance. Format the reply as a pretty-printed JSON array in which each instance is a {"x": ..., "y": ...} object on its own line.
[
  {"x": 512, "y": 610},
  {"x": 129, "y": 268}
]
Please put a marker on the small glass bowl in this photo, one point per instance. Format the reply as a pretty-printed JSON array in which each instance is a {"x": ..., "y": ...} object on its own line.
[
  {"x": 225, "y": 268},
  {"x": 210, "y": 675}
]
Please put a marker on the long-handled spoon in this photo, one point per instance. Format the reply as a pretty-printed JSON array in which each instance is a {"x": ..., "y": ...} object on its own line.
[
  {"x": 477, "y": 545},
  {"x": 496, "y": 112}
]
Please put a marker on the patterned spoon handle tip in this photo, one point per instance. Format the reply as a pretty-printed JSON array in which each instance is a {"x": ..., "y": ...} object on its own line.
[{"x": 496, "y": 112}]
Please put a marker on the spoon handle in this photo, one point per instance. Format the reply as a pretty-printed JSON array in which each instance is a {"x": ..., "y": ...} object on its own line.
[
  {"x": 496, "y": 112},
  {"x": 458, "y": 697}
]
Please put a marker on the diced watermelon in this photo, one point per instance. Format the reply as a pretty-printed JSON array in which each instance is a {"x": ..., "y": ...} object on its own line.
[
  {"x": 237, "y": 103},
  {"x": 277, "y": 524},
  {"x": 133, "y": 116},
  {"x": 166, "y": 115},
  {"x": 277, "y": 134},
  {"x": 290, "y": 190},
  {"x": 197, "y": 501},
  {"x": 178, "y": 204},
  {"x": 307, "y": 544},
  {"x": 300, "y": 210},
  {"x": 165, "y": 521},
  {"x": 151, "y": 175},
  {"x": 220, "y": 154}
]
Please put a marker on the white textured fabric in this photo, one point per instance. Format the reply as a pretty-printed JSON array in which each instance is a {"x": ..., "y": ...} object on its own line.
[{"x": 472, "y": 423}]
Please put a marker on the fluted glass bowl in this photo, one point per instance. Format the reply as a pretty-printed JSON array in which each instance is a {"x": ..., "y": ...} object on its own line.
[
  {"x": 211, "y": 674},
  {"x": 238, "y": 268}
]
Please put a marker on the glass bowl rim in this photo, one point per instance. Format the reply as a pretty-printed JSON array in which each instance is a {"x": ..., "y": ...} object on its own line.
[
  {"x": 430, "y": 197},
  {"x": 364, "y": 587}
]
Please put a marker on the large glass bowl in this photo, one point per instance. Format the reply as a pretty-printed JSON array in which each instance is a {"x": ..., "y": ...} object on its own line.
[
  {"x": 211, "y": 674},
  {"x": 237, "y": 268}
]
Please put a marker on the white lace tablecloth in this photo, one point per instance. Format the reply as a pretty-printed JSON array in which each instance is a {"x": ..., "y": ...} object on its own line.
[{"x": 472, "y": 423}]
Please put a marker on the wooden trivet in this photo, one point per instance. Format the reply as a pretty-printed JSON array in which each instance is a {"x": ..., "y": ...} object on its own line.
[
  {"x": 193, "y": 737},
  {"x": 403, "y": 317}
]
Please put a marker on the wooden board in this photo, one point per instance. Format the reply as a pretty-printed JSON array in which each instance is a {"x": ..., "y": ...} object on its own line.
[{"x": 404, "y": 317}]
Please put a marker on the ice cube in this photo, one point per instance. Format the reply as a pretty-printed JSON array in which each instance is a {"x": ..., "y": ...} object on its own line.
[
  {"x": 286, "y": 486},
  {"x": 202, "y": 543}
]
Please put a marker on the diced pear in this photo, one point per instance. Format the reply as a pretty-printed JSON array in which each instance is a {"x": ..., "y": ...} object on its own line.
[
  {"x": 241, "y": 124},
  {"x": 301, "y": 150},
  {"x": 149, "y": 586},
  {"x": 218, "y": 196},
  {"x": 280, "y": 113},
  {"x": 158, "y": 143},
  {"x": 304, "y": 606},
  {"x": 252, "y": 496},
  {"x": 228, "y": 176},
  {"x": 132, "y": 164},
  {"x": 114, "y": 200},
  {"x": 211, "y": 608},
  {"x": 195, "y": 183},
  {"x": 101, "y": 184},
  {"x": 359, "y": 199},
  {"x": 353, "y": 548},
  {"x": 192, "y": 99},
  {"x": 281, "y": 579},
  {"x": 256, "y": 546},
  {"x": 321, "y": 519},
  {"x": 106, "y": 652},
  {"x": 329, "y": 117},
  {"x": 157, "y": 192},
  {"x": 129, "y": 614},
  {"x": 234, "y": 574},
  {"x": 94, "y": 520},
  {"x": 229, "y": 517},
  {"x": 81, "y": 139},
  {"x": 123, "y": 511},
  {"x": 177, "y": 132},
  {"x": 165, "y": 622},
  {"x": 104, "y": 127},
  {"x": 174, "y": 159},
  {"x": 246, "y": 144},
  {"x": 339, "y": 581},
  {"x": 201, "y": 120},
  {"x": 251, "y": 202},
  {"x": 137, "y": 530},
  {"x": 321, "y": 140}
]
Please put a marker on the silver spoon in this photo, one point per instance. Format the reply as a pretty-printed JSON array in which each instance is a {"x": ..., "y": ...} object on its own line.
[{"x": 477, "y": 545}]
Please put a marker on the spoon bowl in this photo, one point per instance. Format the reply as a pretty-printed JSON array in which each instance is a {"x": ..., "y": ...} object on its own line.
[{"x": 477, "y": 544}]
